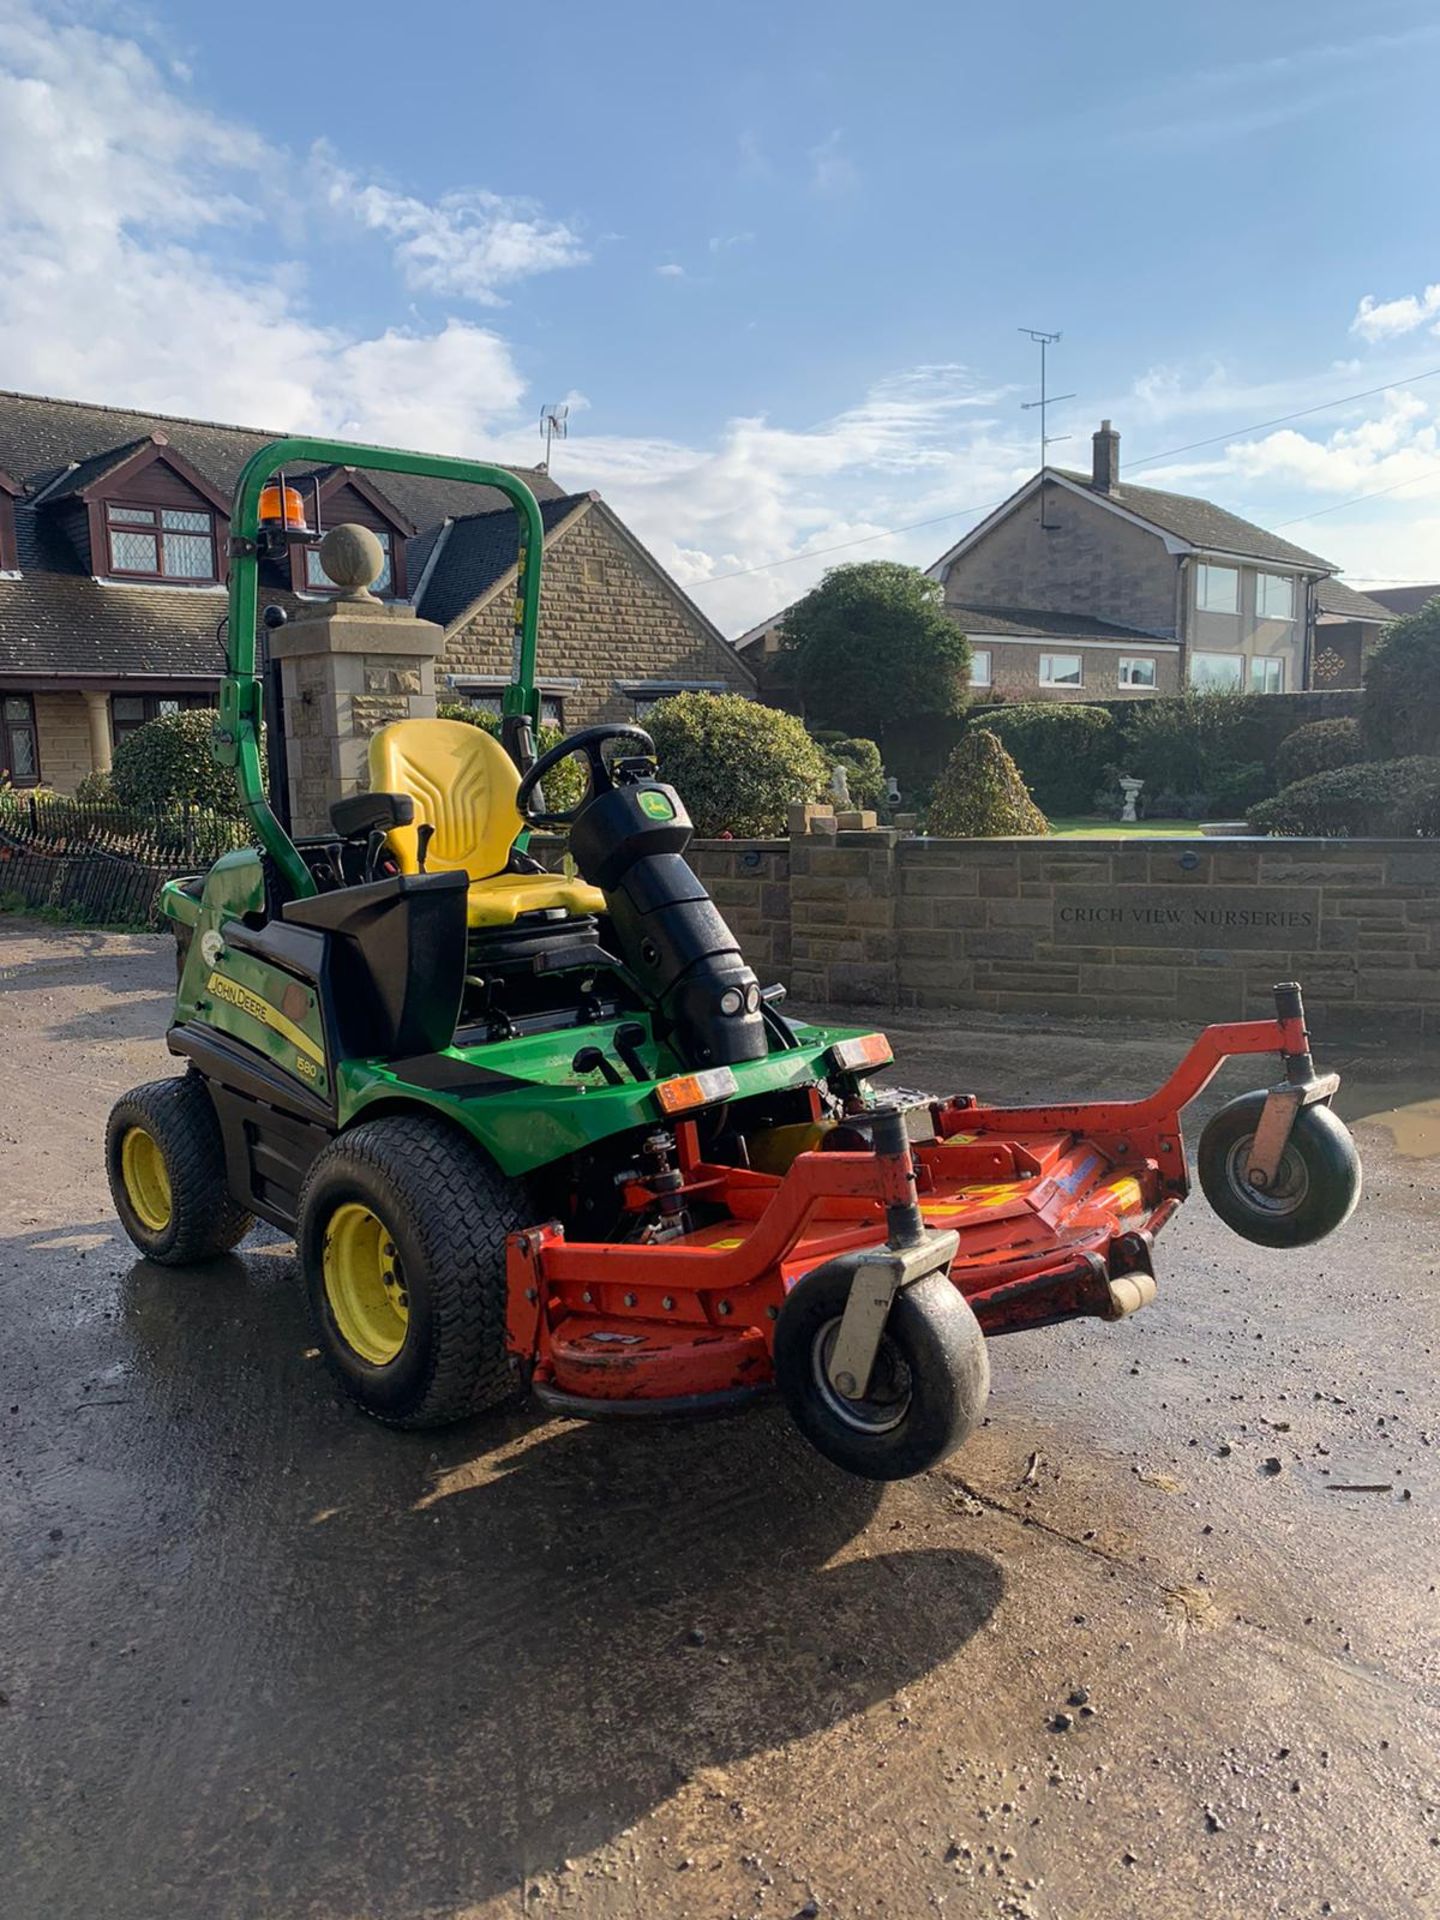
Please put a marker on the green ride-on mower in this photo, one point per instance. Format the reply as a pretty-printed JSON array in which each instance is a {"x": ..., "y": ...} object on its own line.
[{"x": 534, "y": 1131}]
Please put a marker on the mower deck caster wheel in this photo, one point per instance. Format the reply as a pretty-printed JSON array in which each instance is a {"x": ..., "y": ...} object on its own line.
[
  {"x": 401, "y": 1242},
  {"x": 166, "y": 1163},
  {"x": 927, "y": 1389},
  {"x": 1317, "y": 1186}
]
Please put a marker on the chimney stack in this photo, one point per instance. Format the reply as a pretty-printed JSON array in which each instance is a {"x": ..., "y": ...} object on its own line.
[{"x": 1105, "y": 463}]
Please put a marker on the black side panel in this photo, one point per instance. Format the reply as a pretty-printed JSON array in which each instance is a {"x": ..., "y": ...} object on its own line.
[
  {"x": 267, "y": 1154},
  {"x": 397, "y": 960},
  {"x": 226, "y": 1062}
]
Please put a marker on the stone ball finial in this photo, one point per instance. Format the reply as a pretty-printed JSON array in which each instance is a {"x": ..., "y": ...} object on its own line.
[{"x": 353, "y": 558}]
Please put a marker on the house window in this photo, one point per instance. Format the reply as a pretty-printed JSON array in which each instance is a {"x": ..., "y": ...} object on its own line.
[
  {"x": 130, "y": 711},
  {"x": 19, "y": 743},
  {"x": 1274, "y": 596},
  {"x": 980, "y": 667},
  {"x": 552, "y": 705},
  {"x": 1136, "y": 671},
  {"x": 1267, "y": 675},
  {"x": 318, "y": 581},
  {"x": 162, "y": 543},
  {"x": 1223, "y": 671},
  {"x": 1060, "y": 670},
  {"x": 1217, "y": 589},
  {"x": 592, "y": 571}
]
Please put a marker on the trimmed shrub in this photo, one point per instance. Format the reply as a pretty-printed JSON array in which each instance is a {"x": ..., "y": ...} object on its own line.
[
  {"x": 1063, "y": 751},
  {"x": 864, "y": 769},
  {"x": 873, "y": 646},
  {"x": 1401, "y": 712},
  {"x": 96, "y": 790},
  {"x": 1186, "y": 742},
  {"x": 1377, "y": 800},
  {"x": 564, "y": 788},
  {"x": 167, "y": 763},
  {"x": 1320, "y": 747},
  {"x": 737, "y": 766},
  {"x": 981, "y": 794},
  {"x": 1235, "y": 789}
]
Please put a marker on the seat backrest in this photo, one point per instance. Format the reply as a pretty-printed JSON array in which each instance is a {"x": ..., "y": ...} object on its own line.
[{"x": 463, "y": 784}]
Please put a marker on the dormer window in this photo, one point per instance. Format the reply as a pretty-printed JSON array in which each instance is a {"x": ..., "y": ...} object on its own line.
[
  {"x": 160, "y": 543},
  {"x": 318, "y": 581}
]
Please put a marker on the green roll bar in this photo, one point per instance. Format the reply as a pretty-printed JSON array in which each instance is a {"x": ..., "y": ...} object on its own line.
[{"x": 237, "y": 730}]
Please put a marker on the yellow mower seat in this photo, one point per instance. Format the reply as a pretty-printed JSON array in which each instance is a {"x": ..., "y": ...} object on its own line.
[{"x": 463, "y": 784}]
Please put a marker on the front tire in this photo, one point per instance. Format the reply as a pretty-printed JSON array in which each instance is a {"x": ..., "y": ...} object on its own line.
[
  {"x": 166, "y": 1164},
  {"x": 927, "y": 1391},
  {"x": 401, "y": 1241},
  {"x": 1317, "y": 1187}
]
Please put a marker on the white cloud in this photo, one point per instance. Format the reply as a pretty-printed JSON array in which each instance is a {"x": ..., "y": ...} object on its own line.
[
  {"x": 1388, "y": 319},
  {"x": 468, "y": 243},
  {"x": 670, "y": 270},
  {"x": 832, "y": 171},
  {"x": 723, "y": 242}
]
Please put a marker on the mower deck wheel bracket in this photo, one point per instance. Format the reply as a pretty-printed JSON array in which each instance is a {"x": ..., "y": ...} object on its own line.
[
  {"x": 1277, "y": 1122},
  {"x": 878, "y": 1278}
]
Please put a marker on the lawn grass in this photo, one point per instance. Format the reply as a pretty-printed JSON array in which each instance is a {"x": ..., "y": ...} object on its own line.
[{"x": 1097, "y": 829}]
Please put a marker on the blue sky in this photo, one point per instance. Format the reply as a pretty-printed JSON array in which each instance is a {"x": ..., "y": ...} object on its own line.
[{"x": 775, "y": 256}]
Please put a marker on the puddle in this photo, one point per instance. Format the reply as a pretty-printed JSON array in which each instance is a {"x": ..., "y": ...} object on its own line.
[{"x": 1416, "y": 1128}]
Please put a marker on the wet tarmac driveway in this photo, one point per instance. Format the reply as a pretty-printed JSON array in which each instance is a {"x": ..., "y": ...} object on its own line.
[{"x": 1132, "y": 1652}]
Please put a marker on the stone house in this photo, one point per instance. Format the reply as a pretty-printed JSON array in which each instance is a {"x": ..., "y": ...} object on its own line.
[
  {"x": 1083, "y": 586},
  {"x": 113, "y": 553}
]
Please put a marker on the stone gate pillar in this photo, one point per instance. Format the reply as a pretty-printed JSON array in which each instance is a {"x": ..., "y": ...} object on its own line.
[{"x": 349, "y": 665}]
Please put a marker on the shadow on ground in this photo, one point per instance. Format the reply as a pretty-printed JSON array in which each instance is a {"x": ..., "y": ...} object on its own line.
[{"x": 346, "y": 1670}]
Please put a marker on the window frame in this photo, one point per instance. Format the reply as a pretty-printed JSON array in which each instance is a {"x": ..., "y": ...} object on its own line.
[
  {"x": 154, "y": 704},
  {"x": 1286, "y": 579},
  {"x": 1266, "y": 660},
  {"x": 158, "y": 530},
  {"x": 987, "y": 679},
  {"x": 1049, "y": 680},
  {"x": 1205, "y": 567},
  {"x": 1217, "y": 653},
  {"x": 32, "y": 726},
  {"x": 1149, "y": 660}
]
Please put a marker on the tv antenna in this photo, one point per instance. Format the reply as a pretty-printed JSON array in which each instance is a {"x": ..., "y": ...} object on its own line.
[
  {"x": 1047, "y": 400},
  {"x": 554, "y": 425}
]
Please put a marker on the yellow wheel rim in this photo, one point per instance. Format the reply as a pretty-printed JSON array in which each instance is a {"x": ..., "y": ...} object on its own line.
[
  {"x": 147, "y": 1184},
  {"x": 364, "y": 1284}
]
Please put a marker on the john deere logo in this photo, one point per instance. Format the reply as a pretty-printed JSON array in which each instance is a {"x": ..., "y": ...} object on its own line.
[{"x": 656, "y": 805}]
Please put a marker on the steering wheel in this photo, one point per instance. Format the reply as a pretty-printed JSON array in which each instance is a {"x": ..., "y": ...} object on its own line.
[{"x": 588, "y": 742}]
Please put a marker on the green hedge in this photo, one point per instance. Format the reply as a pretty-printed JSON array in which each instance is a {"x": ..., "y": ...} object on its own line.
[
  {"x": 1320, "y": 747},
  {"x": 167, "y": 763},
  {"x": 737, "y": 766},
  {"x": 981, "y": 795},
  {"x": 564, "y": 788},
  {"x": 1378, "y": 800},
  {"x": 1401, "y": 714},
  {"x": 1062, "y": 751}
]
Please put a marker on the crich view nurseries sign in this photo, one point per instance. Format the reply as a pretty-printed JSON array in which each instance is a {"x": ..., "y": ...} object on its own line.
[{"x": 1192, "y": 916}]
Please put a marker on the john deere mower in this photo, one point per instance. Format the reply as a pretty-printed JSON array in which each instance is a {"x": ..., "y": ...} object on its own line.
[{"x": 543, "y": 1132}]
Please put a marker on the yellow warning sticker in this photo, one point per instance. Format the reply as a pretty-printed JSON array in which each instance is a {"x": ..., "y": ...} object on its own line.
[{"x": 725, "y": 1246}]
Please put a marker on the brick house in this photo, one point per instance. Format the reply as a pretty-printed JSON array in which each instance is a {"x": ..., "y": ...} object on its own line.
[
  {"x": 113, "y": 529},
  {"x": 1082, "y": 586}
]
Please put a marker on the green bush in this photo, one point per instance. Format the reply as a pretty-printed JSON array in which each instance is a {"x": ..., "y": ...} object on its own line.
[
  {"x": 1378, "y": 800},
  {"x": 1320, "y": 747},
  {"x": 564, "y": 788},
  {"x": 1063, "y": 751},
  {"x": 737, "y": 766},
  {"x": 1401, "y": 710},
  {"x": 96, "y": 790},
  {"x": 1186, "y": 742},
  {"x": 981, "y": 794},
  {"x": 167, "y": 763},
  {"x": 872, "y": 646},
  {"x": 1235, "y": 789}
]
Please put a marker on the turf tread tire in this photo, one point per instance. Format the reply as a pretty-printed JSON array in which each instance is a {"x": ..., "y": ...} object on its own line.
[
  {"x": 451, "y": 1211},
  {"x": 205, "y": 1221}
]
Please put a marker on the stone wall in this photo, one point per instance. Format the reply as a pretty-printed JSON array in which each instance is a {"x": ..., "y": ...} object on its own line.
[
  {"x": 607, "y": 620},
  {"x": 1194, "y": 930}
]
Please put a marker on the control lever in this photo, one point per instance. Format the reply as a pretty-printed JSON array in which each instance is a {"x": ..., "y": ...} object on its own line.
[
  {"x": 593, "y": 1060},
  {"x": 424, "y": 834},
  {"x": 628, "y": 1040},
  {"x": 374, "y": 847}
]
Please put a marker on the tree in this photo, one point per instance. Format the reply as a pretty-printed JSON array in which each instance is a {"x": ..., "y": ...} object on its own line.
[
  {"x": 1401, "y": 713},
  {"x": 736, "y": 765},
  {"x": 873, "y": 647},
  {"x": 981, "y": 795}
]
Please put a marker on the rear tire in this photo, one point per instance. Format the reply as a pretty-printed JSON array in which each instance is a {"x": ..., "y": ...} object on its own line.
[
  {"x": 927, "y": 1392},
  {"x": 1317, "y": 1187},
  {"x": 401, "y": 1241},
  {"x": 166, "y": 1163}
]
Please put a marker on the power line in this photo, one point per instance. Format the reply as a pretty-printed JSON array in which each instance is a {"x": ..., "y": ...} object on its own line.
[
  {"x": 1341, "y": 505},
  {"x": 1147, "y": 460}
]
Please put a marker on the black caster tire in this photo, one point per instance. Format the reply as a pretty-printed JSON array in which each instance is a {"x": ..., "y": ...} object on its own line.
[
  {"x": 401, "y": 1242},
  {"x": 1316, "y": 1190},
  {"x": 929, "y": 1386},
  {"x": 166, "y": 1164}
]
